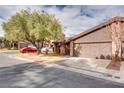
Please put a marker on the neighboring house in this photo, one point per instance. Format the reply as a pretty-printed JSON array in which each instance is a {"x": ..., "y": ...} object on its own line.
[
  {"x": 95, "y": 42},
  {"x": 23, "y": 44},
  {"x": 62, "y": 47}
]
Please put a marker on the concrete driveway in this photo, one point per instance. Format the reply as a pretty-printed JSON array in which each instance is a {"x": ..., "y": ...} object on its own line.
[{"x": 17, "y": 74}]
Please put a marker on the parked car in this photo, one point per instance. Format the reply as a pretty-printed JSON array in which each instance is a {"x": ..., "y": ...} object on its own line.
[
  {"x": 47, "y": 49},
  {"x": 28, "y": 50}
]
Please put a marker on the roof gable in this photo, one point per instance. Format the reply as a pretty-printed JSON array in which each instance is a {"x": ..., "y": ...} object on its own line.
[{"x": 96, "y": 28}]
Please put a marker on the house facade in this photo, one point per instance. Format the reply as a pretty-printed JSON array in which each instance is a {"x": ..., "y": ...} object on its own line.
[{"x": 96, "y": 42}]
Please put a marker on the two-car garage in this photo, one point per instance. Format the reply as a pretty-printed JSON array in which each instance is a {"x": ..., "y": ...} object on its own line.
[{"x": 93, "y": 43}]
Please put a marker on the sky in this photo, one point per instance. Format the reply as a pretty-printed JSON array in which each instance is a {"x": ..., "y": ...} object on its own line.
[{"x": 74, "y": 19}]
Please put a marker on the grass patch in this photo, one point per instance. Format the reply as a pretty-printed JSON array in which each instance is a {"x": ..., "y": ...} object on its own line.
[
  {"x": 3, "y": 49},
  {"x": 8, "y": 50}
]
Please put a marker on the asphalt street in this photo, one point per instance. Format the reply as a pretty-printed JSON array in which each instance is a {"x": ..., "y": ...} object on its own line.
[
  {"x": 20, "y": 74},
  {"x": 6, "y": 61}
]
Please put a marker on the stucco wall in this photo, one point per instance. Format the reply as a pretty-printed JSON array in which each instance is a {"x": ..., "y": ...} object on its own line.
[
  {"x": 95, "y": 44},
  {"x": 96, "y": 50},
  {"x": 100, "y": 35},
  {"x": 101, "y": 49}
]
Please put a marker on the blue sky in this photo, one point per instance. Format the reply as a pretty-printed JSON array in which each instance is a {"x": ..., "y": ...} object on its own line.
[{"x": 74, "y": 19}]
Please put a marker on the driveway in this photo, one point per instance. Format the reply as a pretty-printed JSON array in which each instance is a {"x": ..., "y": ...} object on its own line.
[{"x": 28, "y": 75}]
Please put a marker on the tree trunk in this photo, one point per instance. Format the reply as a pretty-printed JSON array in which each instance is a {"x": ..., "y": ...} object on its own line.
[
  {"x": 116, "y": 46},
  {"x": 38, "y": 45},
  {"x": 116, "y": 42},
  {"x": 39, "y": 51},
  {"x": 13, "y": 45},
  {"x": 0, "y": 45},
  {"x": 116, "y": 51},
  {"x": 38, "y": 48}
]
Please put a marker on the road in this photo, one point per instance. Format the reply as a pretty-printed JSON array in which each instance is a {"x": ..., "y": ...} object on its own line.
[
  {"x": 6, "y": 61},
  {"x": 35, "y": 75}
]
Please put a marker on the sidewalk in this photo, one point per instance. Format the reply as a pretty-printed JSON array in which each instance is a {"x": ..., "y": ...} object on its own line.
[{"x": 93, "y": 67}]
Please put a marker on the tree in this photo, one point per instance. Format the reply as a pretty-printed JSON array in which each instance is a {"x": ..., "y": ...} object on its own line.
[
  {"x": 37, "y": 27},
  {"x": 116, "y": 32},
  {"x": 1, "y": 41}
]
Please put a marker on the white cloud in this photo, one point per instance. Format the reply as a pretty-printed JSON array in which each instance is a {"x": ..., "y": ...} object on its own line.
[
  {"x": 74, "y": 19},
  {"x": 1, "y": 30}
]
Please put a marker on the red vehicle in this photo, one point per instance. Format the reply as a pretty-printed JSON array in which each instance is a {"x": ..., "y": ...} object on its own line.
[{"x": 28, "y": 50}]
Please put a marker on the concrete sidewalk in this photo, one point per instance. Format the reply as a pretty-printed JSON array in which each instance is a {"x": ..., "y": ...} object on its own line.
[{"x": 93, "y": 67}]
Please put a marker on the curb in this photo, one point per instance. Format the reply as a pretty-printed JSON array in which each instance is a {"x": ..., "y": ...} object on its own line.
[{"x": 95, "y": 74}]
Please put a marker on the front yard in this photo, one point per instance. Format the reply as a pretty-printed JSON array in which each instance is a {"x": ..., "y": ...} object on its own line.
[
  {"x": 8, "y": 50},
  {"x": 33, "y": 57}
]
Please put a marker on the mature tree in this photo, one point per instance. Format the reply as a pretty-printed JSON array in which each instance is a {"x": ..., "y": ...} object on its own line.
[
  {"x": 7, "y": 44},
  {"x": 116, "y": 32},
  {"x": 37, "y": 27},
  {"x": 1, "y": 41}
]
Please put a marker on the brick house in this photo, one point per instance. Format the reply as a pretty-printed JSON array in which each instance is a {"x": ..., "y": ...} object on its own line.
[{"x": 95, "y": 42}]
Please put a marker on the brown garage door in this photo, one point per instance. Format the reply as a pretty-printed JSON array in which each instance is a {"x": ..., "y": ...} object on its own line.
[{"x": 93, "y": 50}]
